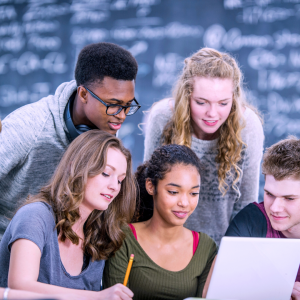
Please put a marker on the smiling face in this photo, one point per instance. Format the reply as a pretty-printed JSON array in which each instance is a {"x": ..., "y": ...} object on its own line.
[
  {"x": 210, "y": 105},
  {"x": 111, "y": 91},
  {"x": 176, "y": 194},
  {"x": 282, "y": 204},
  {"x": 101, "y": 189}
]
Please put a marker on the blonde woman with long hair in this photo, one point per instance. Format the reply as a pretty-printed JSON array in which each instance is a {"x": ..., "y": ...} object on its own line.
[
  {"x": 58, "y": 241},
  {"x": 209, "y": 114}
]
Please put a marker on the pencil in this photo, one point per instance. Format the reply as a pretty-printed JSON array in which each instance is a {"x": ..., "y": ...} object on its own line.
[{"x": 128, "y": 269}]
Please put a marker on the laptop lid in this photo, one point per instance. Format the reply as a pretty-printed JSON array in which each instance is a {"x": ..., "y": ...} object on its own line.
[{"x": 255, "y": 268}]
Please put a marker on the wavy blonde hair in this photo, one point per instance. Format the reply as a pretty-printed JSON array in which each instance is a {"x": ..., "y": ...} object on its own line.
[
  {"x": 210, "y": 63},
  {"x": 85, "y": 158}
]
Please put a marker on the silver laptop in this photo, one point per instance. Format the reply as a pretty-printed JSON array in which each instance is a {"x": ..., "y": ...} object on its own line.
[{"x": 255, "y": 269}]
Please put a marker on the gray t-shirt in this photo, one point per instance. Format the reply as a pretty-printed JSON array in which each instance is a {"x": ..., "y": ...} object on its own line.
[{"x": 35, "y": 222}]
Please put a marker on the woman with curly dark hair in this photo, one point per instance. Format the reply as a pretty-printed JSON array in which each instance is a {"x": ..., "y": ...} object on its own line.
[
  {"x": 170, "y": 261},
  {"x": 58, "y": 241}
]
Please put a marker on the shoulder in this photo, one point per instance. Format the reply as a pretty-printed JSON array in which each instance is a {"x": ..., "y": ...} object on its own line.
[
  {"x": 207, "y": 242},
  {"x": 249, "y": 222},
  {"x": 34, "y": 221},
  {"x": 253, "y": 123},
  {"x": 161, "y": 109}
]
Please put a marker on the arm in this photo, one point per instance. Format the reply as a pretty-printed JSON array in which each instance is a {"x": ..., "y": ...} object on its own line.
[
  {"x": 205, "y": 289},
  {"x": 204, "y": 279},
  {"x": 249, "y": 222},
  {"x": 253, "y": 136},
  {"x": 296, "y": 291},
  {"x": 157, "y": 118},
  {"x": 115, "y": 267},
  {"x": 24, "y": 270}
]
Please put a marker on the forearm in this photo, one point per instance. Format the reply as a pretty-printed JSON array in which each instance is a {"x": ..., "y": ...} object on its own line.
[{"x": 33, "y": 287}]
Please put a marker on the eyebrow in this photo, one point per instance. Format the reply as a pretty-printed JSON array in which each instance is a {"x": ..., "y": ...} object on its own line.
[
  {"x": 119, "y": 101},
  {"x": 285, "y": 196},
  {"x": 209, "y": 100},
  {"x": 177, "y": 185}
]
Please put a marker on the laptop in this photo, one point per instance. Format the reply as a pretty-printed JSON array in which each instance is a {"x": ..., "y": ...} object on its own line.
[{"x": 255, "y": 269}]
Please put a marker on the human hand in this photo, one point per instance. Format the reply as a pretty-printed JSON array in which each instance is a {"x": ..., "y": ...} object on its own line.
[
  {"x": 116, "y": 292},
  {"x": 296, "y": 291}
]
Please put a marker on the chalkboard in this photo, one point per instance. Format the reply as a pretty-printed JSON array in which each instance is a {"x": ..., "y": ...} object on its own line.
[{"x": 40, "y": 41}]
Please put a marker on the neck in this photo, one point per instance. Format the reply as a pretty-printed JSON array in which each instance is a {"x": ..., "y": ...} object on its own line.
[
  {"x": 163, "y": 231},
  {"x": 78, "y": 115},
  {"x": 202, "y": 135},
  {"x": 78, "y": 226}
]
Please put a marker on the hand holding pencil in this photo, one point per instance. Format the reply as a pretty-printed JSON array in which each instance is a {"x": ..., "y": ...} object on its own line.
[{"x": 128, "y": 269}]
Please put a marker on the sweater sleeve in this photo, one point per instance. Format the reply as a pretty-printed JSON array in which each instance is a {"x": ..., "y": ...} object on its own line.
[
  {"x": 253, "y": 136},
  {"x": 15, "y": 143},
  {"x": 157, "y": 118}
]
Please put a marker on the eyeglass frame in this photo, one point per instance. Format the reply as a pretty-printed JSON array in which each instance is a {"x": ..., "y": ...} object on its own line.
[{"x": 121, "y": 107}]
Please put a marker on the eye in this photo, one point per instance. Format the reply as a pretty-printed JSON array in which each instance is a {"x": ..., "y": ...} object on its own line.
[
  {"x": 290, "y": 199},
  {"x": 172, "y": 192},
  {"x": 105, "y": 174},
  {"x": 223, "y": 103},
  {"x": 195, "y": 194},
  {"x": 200, "y": 103}
]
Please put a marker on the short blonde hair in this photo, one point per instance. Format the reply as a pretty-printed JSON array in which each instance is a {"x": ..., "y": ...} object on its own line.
[{"x": 282, "y": 160}]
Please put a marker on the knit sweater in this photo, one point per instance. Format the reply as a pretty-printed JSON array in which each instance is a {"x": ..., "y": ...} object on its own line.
[
  {"x": 32, "y": 142},
  {"x": 214, "y": 211},
  {"x": 148, "y": 280}
]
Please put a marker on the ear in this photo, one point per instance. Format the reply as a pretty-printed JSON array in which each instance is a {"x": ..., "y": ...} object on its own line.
[
  {"x": 149, "y": 186},
  {"x": 82, "y": 94}
]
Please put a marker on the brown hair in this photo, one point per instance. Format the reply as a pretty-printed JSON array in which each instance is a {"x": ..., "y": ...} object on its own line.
[
  {"x": 86, "y": 157},
  {"x": 282, "y": 160},
  {"x": 210, "y": 63}
]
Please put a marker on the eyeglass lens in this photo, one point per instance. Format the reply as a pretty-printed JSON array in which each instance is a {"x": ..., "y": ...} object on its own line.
[{"x": 114, "y": 110}]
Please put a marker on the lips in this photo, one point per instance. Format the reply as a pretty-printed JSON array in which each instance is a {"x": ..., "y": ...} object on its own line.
[
  {"x": 180, "y": 214},
  {"x": 278, "y": 218},
  {"x": 107, "y": 197},
  {"x": 210, "y": 122},
  {"x": 115, "y": 125}
]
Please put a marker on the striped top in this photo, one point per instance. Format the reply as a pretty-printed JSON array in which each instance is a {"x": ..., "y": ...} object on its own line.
[{"x": 148, "y": 280}]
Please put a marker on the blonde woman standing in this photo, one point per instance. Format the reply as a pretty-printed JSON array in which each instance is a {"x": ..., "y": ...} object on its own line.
[{"x": 209, "y": 114}]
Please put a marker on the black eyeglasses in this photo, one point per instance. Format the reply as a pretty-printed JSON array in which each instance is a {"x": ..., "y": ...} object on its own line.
[{"x": 114, "y": 109}]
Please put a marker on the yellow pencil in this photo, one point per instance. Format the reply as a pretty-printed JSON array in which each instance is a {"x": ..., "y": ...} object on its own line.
[{"x": 128, "y": 269}]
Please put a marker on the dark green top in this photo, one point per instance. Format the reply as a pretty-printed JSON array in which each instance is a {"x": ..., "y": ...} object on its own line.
[{"x": 147, "y": 280}]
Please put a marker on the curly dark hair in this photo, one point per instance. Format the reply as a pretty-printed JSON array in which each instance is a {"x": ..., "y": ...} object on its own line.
[
  {"x": 160, "y": 163},
  {"x": 95, "y": 61}
]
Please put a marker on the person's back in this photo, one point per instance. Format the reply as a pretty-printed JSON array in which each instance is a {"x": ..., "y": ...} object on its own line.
[
  {"x": 278, "y": 216},
  {"x": 35, "y": 137}
]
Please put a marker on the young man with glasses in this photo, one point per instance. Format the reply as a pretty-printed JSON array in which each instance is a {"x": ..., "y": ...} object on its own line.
[{"x": 34, "y": 137}]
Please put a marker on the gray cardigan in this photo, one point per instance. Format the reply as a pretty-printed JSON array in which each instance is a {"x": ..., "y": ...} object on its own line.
[
  {"x": 214, "y": 212},
  {"x": 32, "y": 142}
]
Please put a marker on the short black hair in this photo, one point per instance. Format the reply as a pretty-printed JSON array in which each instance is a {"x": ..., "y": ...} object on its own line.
[{"x": 95, "y": 61}]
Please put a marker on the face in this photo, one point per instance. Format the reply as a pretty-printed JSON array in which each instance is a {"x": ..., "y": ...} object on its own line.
[
  {"x": 282, "y": 204},
  {"x": 101, "y": 190},
  {"x": 210, "y": 105},
  {"x": 177, "y": 195},
  {"x": 111, "y": 91}
]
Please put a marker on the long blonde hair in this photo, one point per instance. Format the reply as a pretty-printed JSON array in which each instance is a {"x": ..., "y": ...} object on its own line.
[
  {"x": 84, "y": 158},
  {"x": 210, "y": 63}
]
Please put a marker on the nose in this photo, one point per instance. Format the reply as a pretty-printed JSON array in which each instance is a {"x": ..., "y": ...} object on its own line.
[
  {"x": 212, "y": 111},
  {"x": 183, "y": 201},
  {"x": 277, "y": 205},
  {"x": 121, "y": 115},
  {"x": 113, "y": 184}
]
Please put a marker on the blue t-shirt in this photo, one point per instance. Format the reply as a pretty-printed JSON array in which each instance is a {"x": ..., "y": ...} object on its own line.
[{"x": 35, "y": 222}]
